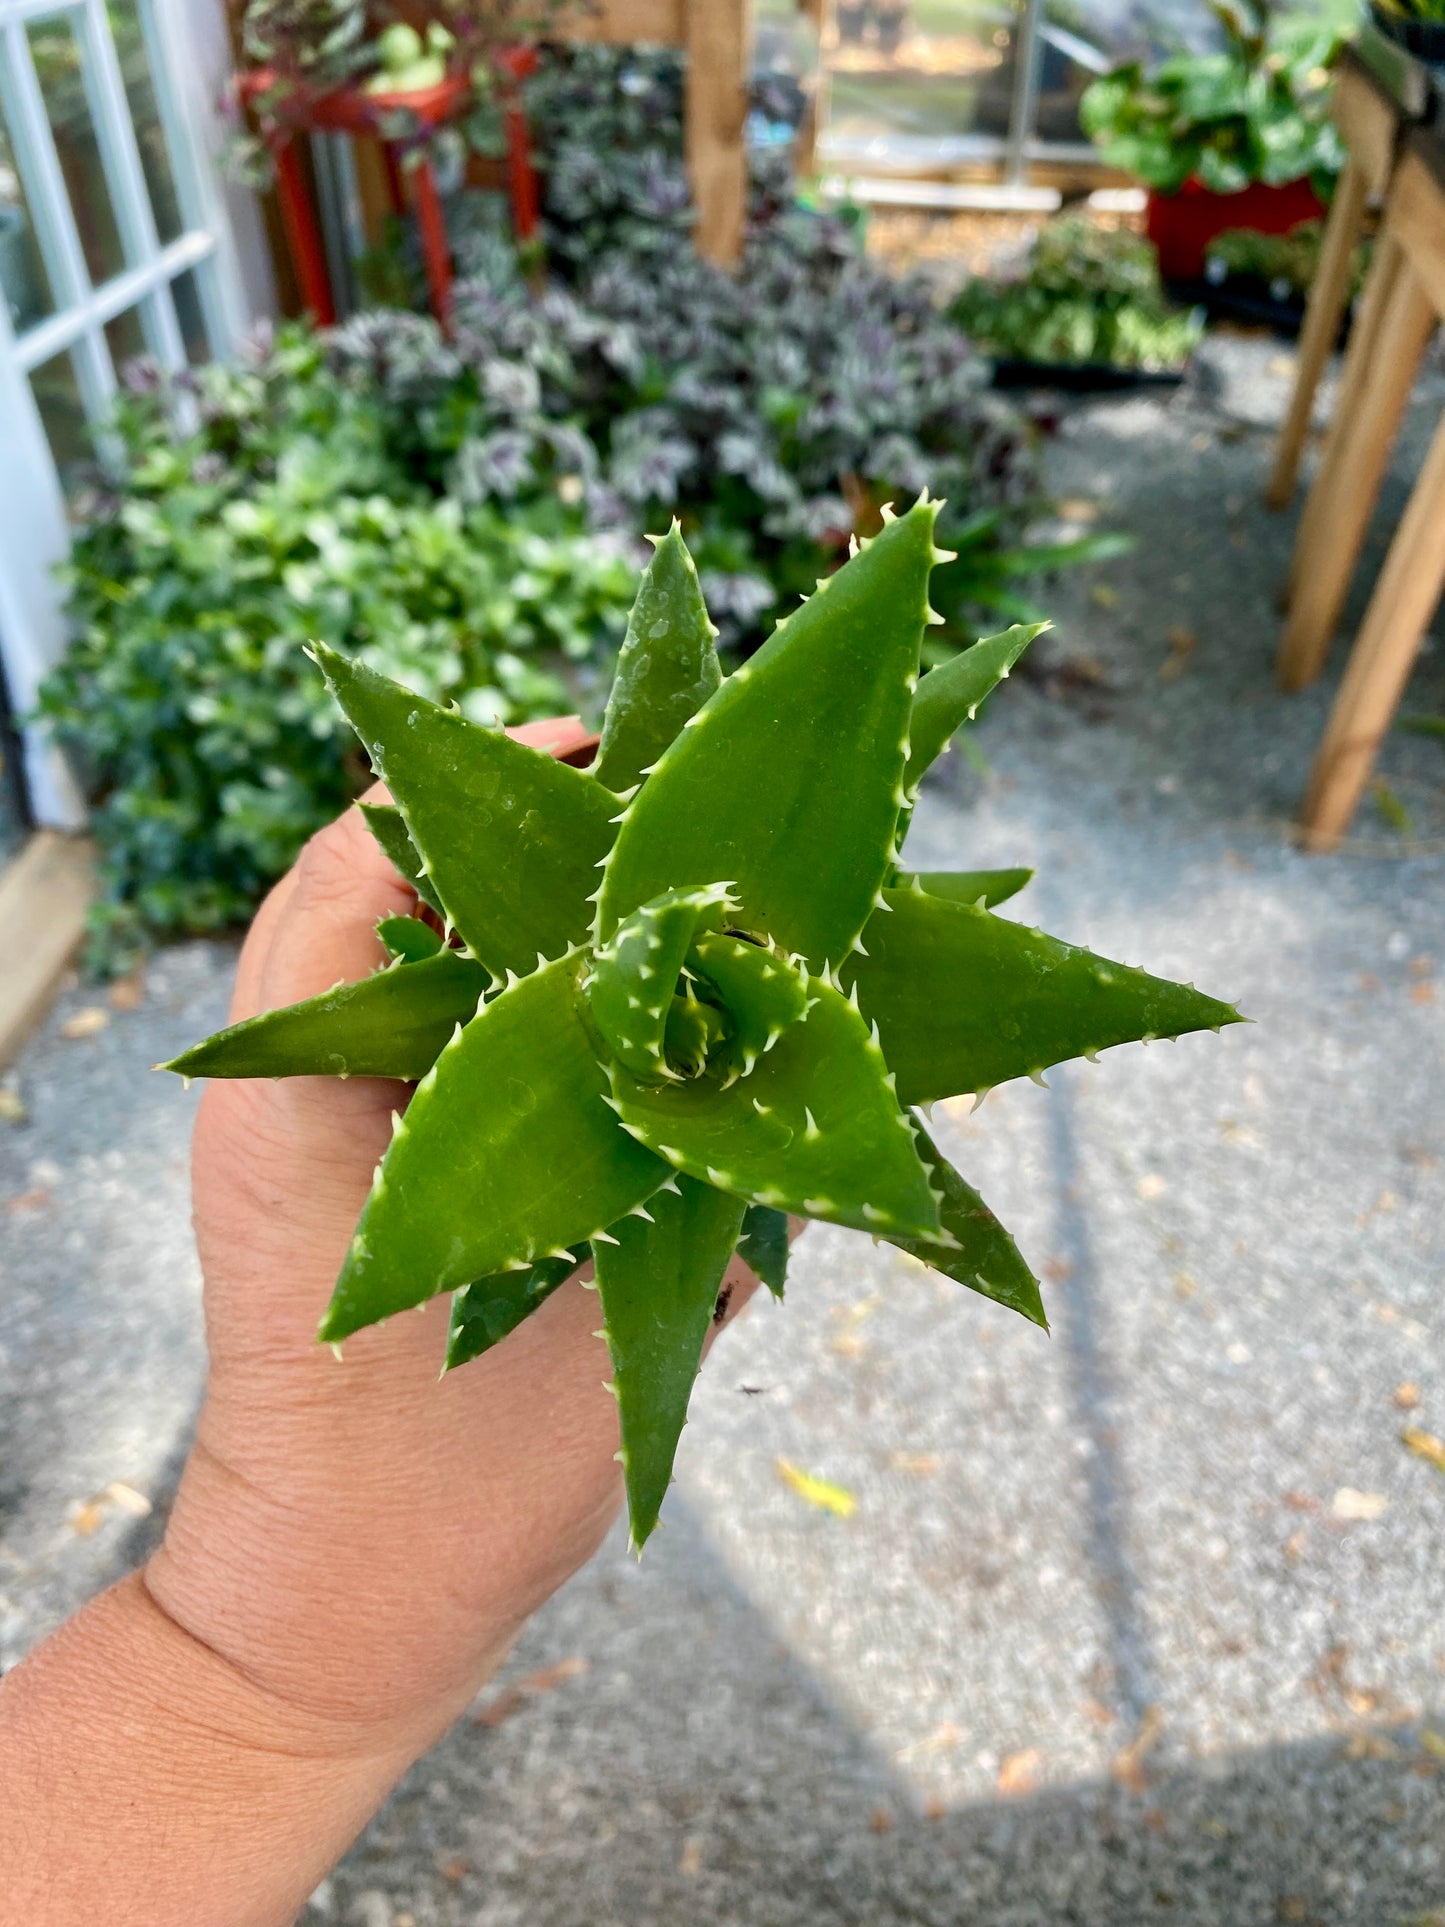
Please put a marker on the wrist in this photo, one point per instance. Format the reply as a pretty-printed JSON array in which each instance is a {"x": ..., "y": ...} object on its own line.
[
  {"x": 124, "y": 1734},
  {"x": 303, "y": 1601}
]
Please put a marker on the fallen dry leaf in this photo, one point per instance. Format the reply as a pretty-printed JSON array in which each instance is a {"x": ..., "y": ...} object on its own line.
[
  {"x": 128, "y": 993},
  {"x": 1350, "y": 1504},
  {"x": 1128, "y": 1766},
  {"x": 1422, "y": 993},
  {"x": 847, "y": 1345},
  {"x": 1019, "y": 1773},
  {"x": 85, "y": 1023},
  {"x": 1058, "y": 1270},
  {"x": 880, "y": 1820},
  {"x": 689, "y": 1861},
  {"x": 514, "y": 1697},
  {"x": 941, "y": 1740},
  {"x": 1182, "y": 643},
  {"x": 1151, "y": 1185},
  {"x": 836, "y": 1499},
  {"x": 128, "y": 1499},
  {"x": 1424, "y": 1445},
  {"x": 453, "y": 1870},
  {"x": 934, "y": 1809},
  {"x": 35, "y": 1200},
  {"x": 1078, "y": 509},
  {"x": 921, "y": 1465},
  {"x": 1185, "y": 1285},
  {"x": 84, "y": 1518},
  {"x": 1407, "y": 1396},
  {"x": 1294, "y": 1546}
]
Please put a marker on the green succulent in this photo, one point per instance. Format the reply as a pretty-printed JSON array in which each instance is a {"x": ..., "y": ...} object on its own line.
[{"x": 689, "y": 991}]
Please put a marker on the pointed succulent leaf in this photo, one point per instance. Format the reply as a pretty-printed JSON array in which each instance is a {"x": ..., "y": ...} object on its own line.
[
  {"x": 762, "y": 994},
  {"x": 408, "y": 939},
  {"x": 394, "y": 1024},
  {"x": 950, "y": 695},
  {"x": 486, "y": 1310},
  {"x": 964, "y": 1000},
  {"x": 633, "y": 978},
  {"x": 384, "y": 820},
  {"x": 763, "y": 1245},
  {"x": 666, "y": 670},
  {"x": 988, "y": 887},
  {"x": 788, "y": 779},
  {"x": 508, "y": 1153},
  {"x": 975, "y": 1250},
  {"x": 695, "y": 1032},
  {"x": 511, "y": 839},
  {"x": 814, "y": 1128},
  {"x": 659, "y": 1285}
]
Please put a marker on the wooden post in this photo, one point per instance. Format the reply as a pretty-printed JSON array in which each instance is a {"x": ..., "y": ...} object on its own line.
[
  {"x": 717, "y": 41},
  {"x": 1351, "y": 481},
  {"x": 1384, "y": 653},
  {"x": 1328, "y": 295}
]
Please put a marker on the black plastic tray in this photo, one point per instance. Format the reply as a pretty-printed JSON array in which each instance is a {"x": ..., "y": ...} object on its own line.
[{"x": 1081, "y": 377}]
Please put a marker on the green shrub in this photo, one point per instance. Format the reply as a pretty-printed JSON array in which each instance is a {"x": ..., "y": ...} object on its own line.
[
  {"x": 1086, "y": 294},
  {"x": 210, "y": 747}
]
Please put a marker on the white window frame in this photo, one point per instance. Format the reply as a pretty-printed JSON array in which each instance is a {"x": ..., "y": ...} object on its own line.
[{"x": 188, "y": 56}]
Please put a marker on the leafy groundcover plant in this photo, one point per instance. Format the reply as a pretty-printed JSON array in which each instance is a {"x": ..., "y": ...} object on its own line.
[
  {"x": 1087, "y": 295},
  {"x": 690, "y": 990}
]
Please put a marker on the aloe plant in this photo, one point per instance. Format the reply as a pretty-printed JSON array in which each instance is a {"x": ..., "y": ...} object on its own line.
[{"x": 691, "y": 990}]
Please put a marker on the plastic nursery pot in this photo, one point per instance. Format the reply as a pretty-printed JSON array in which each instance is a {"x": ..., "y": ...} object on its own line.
[
  {"x": 1182, "y": 225},
  {"x": 1424, "y": 39}
]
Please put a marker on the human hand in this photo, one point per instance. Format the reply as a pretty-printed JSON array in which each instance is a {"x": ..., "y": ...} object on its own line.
[{"x": 362, "y": 1540}]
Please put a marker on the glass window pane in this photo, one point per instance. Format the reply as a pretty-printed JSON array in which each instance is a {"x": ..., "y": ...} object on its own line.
[
  {"x": 126, "y": 339},
  {"x": 57, "y": 396},
  {"x": 191, "y": 316},
  {"x": 56, "y": 52},
  {"x": 917, "y": 85},
  {"x": 23, "y": 280},
  {"x": 150, "y": 136}
]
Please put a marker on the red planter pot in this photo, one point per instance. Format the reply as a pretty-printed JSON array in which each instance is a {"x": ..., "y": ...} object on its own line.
[{"x": 1182, "y": 225}]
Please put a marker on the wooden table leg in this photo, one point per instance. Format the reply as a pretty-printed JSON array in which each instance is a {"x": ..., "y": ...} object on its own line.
[
  {"x": 435, "y": 248},
  {"x": 1349, "y": 481},
  {"x": 1405, "y": 598},
  {"x": 1328, "y": 296},
  {"x": 1374, "y": 300}
]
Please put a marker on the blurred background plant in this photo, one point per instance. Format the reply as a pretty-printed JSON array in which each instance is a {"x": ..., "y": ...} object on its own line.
[
  {"x": 1084, "y": 295},
  {"x": 1257, "y": 110}
]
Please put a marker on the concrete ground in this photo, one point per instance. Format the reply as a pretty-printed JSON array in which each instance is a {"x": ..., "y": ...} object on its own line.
[{"x": 1138, "y": 1623}]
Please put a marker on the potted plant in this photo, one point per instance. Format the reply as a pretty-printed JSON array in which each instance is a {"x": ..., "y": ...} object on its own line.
[
  {"x": 1266, "y": 278},
  {"x": 659, "y": 1005},
  {"x": 1234, "y": 139},
  {"x": 1416, "y": 25},
  {"x": 1084, "y": 310}
]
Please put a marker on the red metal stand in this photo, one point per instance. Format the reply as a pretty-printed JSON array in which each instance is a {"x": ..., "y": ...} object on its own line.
[{"x": 286, "y": 109}]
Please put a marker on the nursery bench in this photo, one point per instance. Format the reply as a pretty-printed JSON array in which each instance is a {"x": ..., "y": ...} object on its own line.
[
  {"x": 1405, "y": 299},
  {"x": 1371, "y": 124}
]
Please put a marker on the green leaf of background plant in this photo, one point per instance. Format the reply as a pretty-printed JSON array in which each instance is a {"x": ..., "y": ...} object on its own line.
[
  {"x": 965, "y": 1000},
  {"x": 510, "y": 838},
  {"x": 507, "y": 1153},
  {"x": 786, "y": 782},
  {"x": 659, "y": 1285},
  {"x": 667, "y": 669},
  {"x": 981, "y": 1255},
  {"x": 394, "y": 1024},
  {"x": 813, "y": 1128}
]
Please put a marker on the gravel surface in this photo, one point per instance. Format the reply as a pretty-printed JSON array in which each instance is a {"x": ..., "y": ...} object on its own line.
[{"x": 1106, "y": 1639}]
